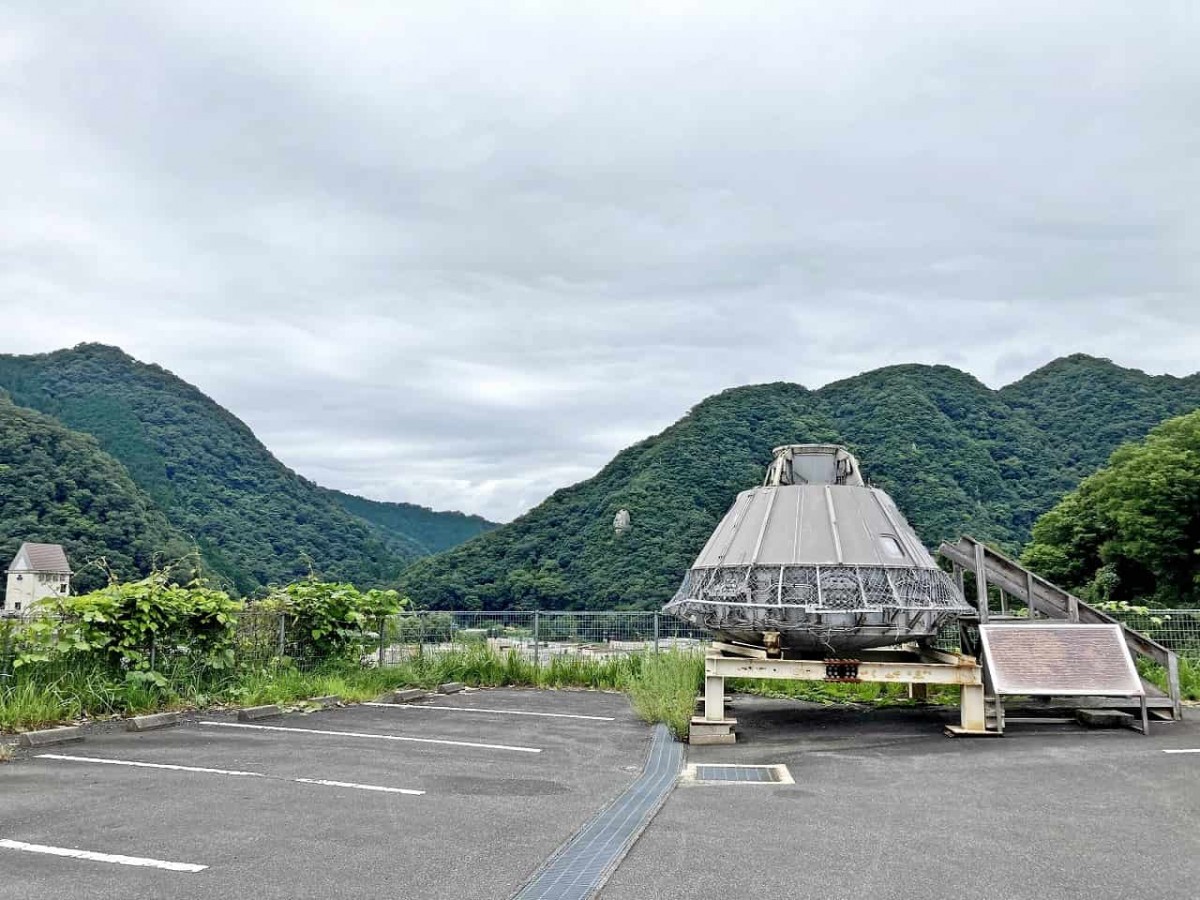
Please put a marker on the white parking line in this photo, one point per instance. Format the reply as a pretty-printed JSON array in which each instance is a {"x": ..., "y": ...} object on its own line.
[
  {"x": 1197, "y": 750},
  {"x": 102, "y": 857},
  {"x": 235, "y": 772},
  {"x": 507, "y": 712},
  {"x": 377, "y": 737}
]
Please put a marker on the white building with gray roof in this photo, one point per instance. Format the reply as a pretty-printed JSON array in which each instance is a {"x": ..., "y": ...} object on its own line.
[{"x": 36, "y": 572}]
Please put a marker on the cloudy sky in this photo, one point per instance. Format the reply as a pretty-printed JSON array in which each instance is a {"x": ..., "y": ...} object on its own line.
[{"x": 461, "y": 253}]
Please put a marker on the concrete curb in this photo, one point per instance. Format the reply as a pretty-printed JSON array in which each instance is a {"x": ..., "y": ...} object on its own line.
[
  {"x": 407, "y": 695},
  {"x": 50, "y": 736},
  {"x": 326, "y": 702},
  {"x": 250, "y": 713},
  {"x": 451, "y": 687},
  {"x": 150, "y": 723}
]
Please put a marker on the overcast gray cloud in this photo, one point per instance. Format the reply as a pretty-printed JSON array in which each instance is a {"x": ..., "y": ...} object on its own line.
[{"x": 461, "y": 253}]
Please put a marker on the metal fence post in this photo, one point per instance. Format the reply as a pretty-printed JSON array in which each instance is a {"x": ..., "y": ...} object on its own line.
[
  {"x": 656, "y": 632},
  {"x": 282, "y": 635},
  {"x": 537, "y": 638},
  {"x": 382, "y": 639},
  {"x": 9, "y": 631},
  {"x": 153, "y": 648}
]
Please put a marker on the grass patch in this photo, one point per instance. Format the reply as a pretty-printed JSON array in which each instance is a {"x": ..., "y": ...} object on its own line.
[
  {"x": 1189, "y": 676},
  {"x": 662, "y": 687},
  {"x": 665, "y": 689}
]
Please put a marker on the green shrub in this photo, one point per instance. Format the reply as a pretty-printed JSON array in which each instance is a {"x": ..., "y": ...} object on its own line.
[
  {"x": 330, "y": 619},
  {"x": 126, "y": 625}
]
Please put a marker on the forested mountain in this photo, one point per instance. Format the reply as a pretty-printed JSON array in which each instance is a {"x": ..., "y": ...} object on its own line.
[
  {"x": 411, "y": 529},
  {"x": 1085, "y": 406},
  {"x": 254, "y": 520},
  {"x": 59, "y": 487},
  {"x": 957, "y": 457}
]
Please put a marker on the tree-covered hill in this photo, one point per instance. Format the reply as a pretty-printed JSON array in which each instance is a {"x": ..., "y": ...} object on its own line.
[
  {"x": 957, "y": 457},
  {"x": 564, "y": 553},
  {"x": 413, "y": 530},
  {"x": 1131, "y": 531},
  {"x": 59, "y": 487},
  {"x": 255, "y": 520}
]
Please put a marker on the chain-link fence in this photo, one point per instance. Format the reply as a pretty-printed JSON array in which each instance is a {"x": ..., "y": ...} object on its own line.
[
  {"x": 265, "y": 638},
  {"x": 537, "y": 635},
  {"x": 1175, "y": 629}
]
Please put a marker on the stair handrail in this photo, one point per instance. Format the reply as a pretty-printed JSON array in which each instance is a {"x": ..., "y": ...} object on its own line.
[{"x": 962, "y": 554}]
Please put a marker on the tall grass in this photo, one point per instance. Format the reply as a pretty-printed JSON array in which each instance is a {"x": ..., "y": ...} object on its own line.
[
  {"x": 662, "y": 687},
  {"x": 46, "y": 695},
  {"x": 28, "y": 705},
  {"x": 665, "y": 688},
  {"x": 1189, "y": 676}
]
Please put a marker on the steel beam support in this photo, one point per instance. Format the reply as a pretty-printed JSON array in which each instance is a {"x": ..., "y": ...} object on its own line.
[{"x": 966, "y": 672}]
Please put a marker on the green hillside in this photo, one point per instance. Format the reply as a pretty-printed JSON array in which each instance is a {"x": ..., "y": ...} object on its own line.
[
  {"x": 957, "y": 456},
  {"x": 410, "y": 529},
  {"x": 255, "y": 520},
  {"x": 1130, "y": 532},
  {"x": 1086, "y": 407},
  {"x": 59, "y": 487}
]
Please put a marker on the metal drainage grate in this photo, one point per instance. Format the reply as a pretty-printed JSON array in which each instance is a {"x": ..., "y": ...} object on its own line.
[
  {"x": 728, "y": 773},
  {"x": 580, "y": 867}
]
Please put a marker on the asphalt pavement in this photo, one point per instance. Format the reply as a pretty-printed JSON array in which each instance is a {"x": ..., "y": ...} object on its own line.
[
  {"x": 885, "y": 806},
  {"x": 311, "y": 806},
  {"x": 467, "y": 796}
]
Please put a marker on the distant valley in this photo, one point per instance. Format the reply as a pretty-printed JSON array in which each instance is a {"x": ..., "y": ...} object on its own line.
[{"x": 192, "y": 476}]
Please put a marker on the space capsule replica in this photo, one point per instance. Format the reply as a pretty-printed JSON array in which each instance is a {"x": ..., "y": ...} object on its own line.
[{"x": 816, "y": 561}]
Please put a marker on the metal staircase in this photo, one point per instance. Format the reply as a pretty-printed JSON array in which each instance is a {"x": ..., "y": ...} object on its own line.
[{"x": 1044, "y": 601}]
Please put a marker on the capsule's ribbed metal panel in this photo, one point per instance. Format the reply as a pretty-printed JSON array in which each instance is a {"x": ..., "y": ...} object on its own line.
[{"x": 813, "y": 525}]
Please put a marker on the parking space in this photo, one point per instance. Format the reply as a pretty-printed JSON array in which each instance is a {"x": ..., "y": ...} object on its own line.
[
  {"x": 337, "y": 803},
  {"x": 883, "y": 805},
  {"x": 466, "y": 796}
]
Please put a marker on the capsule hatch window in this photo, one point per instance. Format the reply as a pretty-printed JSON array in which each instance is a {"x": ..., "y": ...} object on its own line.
[{"x": 891, "y": 546}]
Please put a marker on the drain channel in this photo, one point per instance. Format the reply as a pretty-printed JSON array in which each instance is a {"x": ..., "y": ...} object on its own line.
[{"x": 580, "y": 867}]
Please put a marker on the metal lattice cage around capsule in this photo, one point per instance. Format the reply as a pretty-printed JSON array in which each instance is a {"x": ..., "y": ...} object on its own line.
[{"x": 824, "y": 588}]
